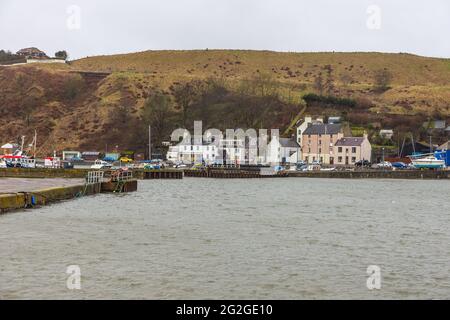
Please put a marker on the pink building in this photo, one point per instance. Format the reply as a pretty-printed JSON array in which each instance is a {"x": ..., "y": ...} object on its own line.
[
  {"x": 318, "y": 141},
  {"x": 349, "y": 150}
]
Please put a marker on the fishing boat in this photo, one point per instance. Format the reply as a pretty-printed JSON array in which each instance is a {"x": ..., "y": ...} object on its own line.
[{"x": 427, "y": 162}]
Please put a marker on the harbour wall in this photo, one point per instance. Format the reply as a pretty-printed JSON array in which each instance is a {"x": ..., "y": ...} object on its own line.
[
  {"x": 229, "y": 173},
  {"x": 20, "y": 200},
  {"x": 375, "y": 174},
  {"x": 82, "y": 173}
]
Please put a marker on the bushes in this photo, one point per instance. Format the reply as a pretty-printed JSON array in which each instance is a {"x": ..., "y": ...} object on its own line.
[
  {"x": 73, "y": 87},
  {"x": 7, "y": 56},
  {"x": 330, "y": 100}
]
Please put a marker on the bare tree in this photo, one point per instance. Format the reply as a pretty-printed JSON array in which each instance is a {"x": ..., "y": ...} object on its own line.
[
  {"x": 186, "y": 95},
  {"x": 156, "y": 113}
]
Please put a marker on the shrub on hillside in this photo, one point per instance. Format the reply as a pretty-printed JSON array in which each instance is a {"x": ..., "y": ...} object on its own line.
[
  {"x": 73, "y": 87},
  {"x": 329, "y": 100}
]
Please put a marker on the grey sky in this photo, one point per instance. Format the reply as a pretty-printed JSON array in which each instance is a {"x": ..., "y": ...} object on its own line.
[{"x": 113, "y": 26}]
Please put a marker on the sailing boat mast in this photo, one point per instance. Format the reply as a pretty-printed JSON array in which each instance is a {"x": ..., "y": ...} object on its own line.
[{"x": 33, "y": 144}]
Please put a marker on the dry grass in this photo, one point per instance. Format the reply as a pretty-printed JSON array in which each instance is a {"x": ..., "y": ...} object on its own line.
[{"x": 420, "y": 84}]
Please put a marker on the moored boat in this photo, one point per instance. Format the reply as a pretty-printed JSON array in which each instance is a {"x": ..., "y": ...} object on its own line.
[{"x": 428, "y": 162}]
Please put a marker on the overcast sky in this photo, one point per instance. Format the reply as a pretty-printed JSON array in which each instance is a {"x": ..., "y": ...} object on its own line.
[{"x": 93, "y": 27}]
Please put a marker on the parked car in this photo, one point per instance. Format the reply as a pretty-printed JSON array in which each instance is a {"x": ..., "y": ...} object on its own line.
[
  {"x": 100, "y": 164},
  {"x": 302, "y": 167},
  {"x": 363, "y": 163},
  {"x": 13, "y": 164},
  {"x": 125, "y": 159},
  {"x": 383, "y": 165},
  {"x": 152, "y": 166},
  {"x": 313, "y": 167},
  {"x": 399, "y": 165},
  {"x": 67, "y": 165}
]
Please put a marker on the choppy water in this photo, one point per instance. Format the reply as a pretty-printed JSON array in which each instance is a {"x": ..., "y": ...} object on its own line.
[{"x": 262, "y": 239}]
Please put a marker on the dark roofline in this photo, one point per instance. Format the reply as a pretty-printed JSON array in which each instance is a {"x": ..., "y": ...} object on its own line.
[
  {"x": 350, "y": 141},
  {"x": 323, "y": 128}
]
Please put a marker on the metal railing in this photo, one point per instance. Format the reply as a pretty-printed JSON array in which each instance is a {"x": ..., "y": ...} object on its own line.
[
  {"x": 94, "y": 177},
  {"x": 121, "y": 176}
]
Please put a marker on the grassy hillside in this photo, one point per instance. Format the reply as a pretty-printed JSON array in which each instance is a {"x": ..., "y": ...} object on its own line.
[
  {"x": 72, "y": 112},
  {"x": 420, "y": 82}
]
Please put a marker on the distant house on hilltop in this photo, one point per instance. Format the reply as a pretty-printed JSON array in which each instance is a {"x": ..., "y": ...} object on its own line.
[
  {"x": 386, "y": 133},
  {"x": 435, "y": 125},
  {"x": 32, "y": 53}
]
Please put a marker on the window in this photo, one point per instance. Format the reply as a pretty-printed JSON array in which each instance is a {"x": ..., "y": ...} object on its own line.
[
  {"x": 354, "y": 150},
  {"x": 320, "y": 150},
  {"x": 353, "y": 159},
  {"x": 309, "y": 150},
  {"x": 340, "y": 150},
  {"x": 339, "y": 159},
  {"x": 320, "y": 142}
]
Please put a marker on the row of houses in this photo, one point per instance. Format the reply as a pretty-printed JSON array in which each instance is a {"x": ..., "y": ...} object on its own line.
[{"x": 316, "y": 141}]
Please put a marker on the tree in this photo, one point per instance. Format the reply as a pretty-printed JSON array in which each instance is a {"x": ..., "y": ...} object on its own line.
[
  {"x": 186, "y": 95},
  {"x": 383, "y": 78},
  {"x": 156, "y": 113},
  {"x": 62, "y": 55}
]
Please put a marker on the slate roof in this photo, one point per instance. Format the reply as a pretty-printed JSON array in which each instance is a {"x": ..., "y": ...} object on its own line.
[
  {"x": 349, "y": 142},
  {"x": 328, "y": 128},
  {"x": 288, "y": 143}
]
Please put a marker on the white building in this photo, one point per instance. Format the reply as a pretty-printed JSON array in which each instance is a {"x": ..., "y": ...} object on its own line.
[
  {"x": 68, "y": 155},
  {"x": 283, "y": 150},
  {"x": 229, "y": 151},
  {"x": 386, "y": 133},
  {"x": 193, "y": 153}
]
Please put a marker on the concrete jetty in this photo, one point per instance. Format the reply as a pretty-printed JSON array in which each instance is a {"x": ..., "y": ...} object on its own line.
[
  {"x": 19, "y": 193},
  {"x": 139, "y": 174}
]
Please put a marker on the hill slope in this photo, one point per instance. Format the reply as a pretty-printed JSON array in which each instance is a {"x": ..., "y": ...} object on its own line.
[{"x": 71, "y": 111}]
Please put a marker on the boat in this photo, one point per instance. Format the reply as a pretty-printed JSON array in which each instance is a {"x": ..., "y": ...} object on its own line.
[{"x": 428, "y": 162}]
